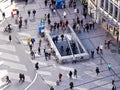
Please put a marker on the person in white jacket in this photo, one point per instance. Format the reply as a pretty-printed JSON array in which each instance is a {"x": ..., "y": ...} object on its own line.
[
  {"x": 101, "y": 48},
  {"x": 64, "y": 14}
]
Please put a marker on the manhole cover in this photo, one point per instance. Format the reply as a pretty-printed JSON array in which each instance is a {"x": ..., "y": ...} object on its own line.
[{"x": 113, "y": 50}]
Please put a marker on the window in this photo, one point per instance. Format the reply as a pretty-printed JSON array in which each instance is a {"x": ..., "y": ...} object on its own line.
[
  {"x": 111, "y": 9},
  {"x": 116, "y": 12},
  {"x": 119, "y": 15},
  {"x": 106, "y": 5},
  {"x": 102, "y": 4}
]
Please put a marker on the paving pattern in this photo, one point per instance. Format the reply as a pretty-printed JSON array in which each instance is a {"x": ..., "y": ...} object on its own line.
[{"x": 15, "y": 58}]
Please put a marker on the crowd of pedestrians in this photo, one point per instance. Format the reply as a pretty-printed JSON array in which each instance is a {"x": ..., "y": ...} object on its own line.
[
  {"x": 21, "y": 77},
  {"x": 78, "y": 25},
  {"x": 109, "y": 65},
  {"x": 71, "y": 74}
]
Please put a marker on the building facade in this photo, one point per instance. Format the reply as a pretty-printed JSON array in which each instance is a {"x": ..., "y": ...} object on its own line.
[{"x": 107, "y": 13}]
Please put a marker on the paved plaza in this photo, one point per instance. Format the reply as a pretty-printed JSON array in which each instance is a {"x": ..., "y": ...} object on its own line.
[{"x": 15, "y": 57}]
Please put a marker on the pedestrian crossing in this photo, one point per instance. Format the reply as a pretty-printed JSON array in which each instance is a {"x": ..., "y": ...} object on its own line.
[
  {"x": 49, "y": 70},
  {"x": 46, "y": 71}
]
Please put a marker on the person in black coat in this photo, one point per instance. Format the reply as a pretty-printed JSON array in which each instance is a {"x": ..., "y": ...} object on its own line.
[
  {"x": 37, "y": 66},
  {"x": 114, "y": 87},
  {"x": 17, "y": 12},
  {"x": 34, "y": 12},
  {"x": 75, "y": 73},
  {"x": 29, "y": 13},
  {"x": 10, "y": 38},
  {"x": 97, "y": 71},
  {"x": 92, "y": 54},
  {"x": 71, "y": 85},
  {"x": 51, "y": 88},
  {"x": 45, "y": 2},
  {"x": 26, "y": 1},
  {"x": 70, "y": 74}
]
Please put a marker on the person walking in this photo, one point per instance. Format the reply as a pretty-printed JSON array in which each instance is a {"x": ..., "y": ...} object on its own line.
[
  {"x": 19, "y": 26},
  {"x": 26, "y": 1},
  {"x": 20, "y": 20},
  {"x": 71, "y": 85},
  {"x": 49, "y": 21},
  {"x": 28, "y": 41},
  {"x": 74, "y": 4},
  {"x": 108, "y": 44},
  {"x": 45, "y": 17},
  {"x": 32, "y": 41},
  {"x": 66, "y": 23},
  {"x": 45, "y": 2},
  {"x": 97, "y": 50},
  {"x": 12, "y": 15},
  {"x": 30, "y": 46},
  {"x": 60, "y": 77},
  {"x": 54, "y": 11},
  {"x": 62, "y": 37},
  {"x": 75, "y": 73},
  {"x": 40, "y": 43},
  {"x": 64, "y": 14},
  {"x": 57, "y": 82},
  {"x": 81, "y": 22},
  {"x": 37, "y": 66},
  {"x": 39, "y": 51},
  {"x": 85, "y": 15},
  {"x": 113, "y": 87},
  {"x": 16, "y": 20},
  {"x": 70, "y": 74},
  {"x": 61, "y": 49},
  {"x": 10, "y": 38},
  {"x": 97, "y": 71},
  {"x": 67, "y": 50},
  {"x": 25, "y": 21},
  {"x": 11, "y": 2},
  {"x": 3, "y": 15},
  {"x": 29, "y": 13},
  {"x": 48, "y": 15},
  {"x": 20, "y": 77},
  {"x": 78, "y": 28},
  {"x": 113, "y": 81},
  {"x": 105, "y": 43},
  {"x": 109, "y": 66},
  {"x": 58, "y": 25},
  {"x": 23, "y": 78},
  {"x": 101, "y": 49},
  {"x": 46, "y": 56},
  {"x": 17, "y": 13},
  {"x": 34, "y": 12},
  {"x": 32, "y": 55},
  {"x": 92, "y": 54},
  {"x": 74, "y": 60},
  {"x": 8, "y": 80},
  {"x": 51, "y": 88}
]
